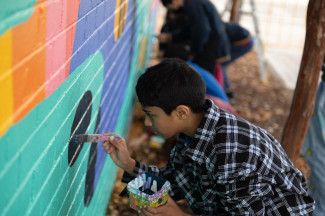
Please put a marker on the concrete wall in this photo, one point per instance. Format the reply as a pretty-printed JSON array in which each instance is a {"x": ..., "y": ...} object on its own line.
[{"x": 67, "y": 67}]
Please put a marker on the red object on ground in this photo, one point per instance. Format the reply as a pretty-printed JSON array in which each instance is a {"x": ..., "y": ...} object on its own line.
[
  {"x": 218, "y": 74},
  {"x": 221, "y": 104}
]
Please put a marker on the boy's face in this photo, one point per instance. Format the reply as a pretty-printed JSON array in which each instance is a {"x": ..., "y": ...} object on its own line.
[{"x": 162, "y": 124}]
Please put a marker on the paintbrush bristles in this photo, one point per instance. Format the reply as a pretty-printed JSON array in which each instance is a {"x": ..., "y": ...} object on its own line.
[{"x": 81, "y": 138}]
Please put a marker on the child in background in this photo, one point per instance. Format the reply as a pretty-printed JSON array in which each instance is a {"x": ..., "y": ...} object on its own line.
[
  {"x": 313, "y": 149},
  {"x": 221, "y": 164},
  {"x": 211, "y": 40}
]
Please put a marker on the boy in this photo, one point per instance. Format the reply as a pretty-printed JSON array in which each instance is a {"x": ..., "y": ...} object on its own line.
[{"x": 221, "y": 164}]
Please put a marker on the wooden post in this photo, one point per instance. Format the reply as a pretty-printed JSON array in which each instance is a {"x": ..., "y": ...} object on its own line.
[
  {"x": 235, "y": 11},
  {"x": 304, "y": 96}
]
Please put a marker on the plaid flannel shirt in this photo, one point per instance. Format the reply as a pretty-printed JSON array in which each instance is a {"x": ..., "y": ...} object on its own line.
[{"x": 232, "y": 167}]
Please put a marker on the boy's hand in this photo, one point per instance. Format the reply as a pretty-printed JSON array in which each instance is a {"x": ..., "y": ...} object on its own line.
[
  {"x": 169, "y": 209},
  {"x": 116, "y": 147}
]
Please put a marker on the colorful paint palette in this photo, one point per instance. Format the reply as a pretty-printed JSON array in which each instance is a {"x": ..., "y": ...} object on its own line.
[{"x": 148, "y": 190}]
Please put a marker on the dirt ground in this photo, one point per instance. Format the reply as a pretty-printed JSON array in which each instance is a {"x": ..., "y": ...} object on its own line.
[{"x": 265, "y": 103}]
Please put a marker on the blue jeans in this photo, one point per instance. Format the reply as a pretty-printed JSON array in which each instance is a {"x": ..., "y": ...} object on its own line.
[
  {"x": 313, "y": 151},
  {"x": 212, "y": 86}
]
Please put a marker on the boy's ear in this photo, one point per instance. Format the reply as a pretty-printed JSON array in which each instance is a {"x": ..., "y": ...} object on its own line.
[{"x": 182, "y": 112}]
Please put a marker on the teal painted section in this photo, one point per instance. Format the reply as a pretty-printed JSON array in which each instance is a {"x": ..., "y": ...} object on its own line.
[
  {"x": 39, "y": 153},
  {"x": 103, "y": 191},
  {"x": 35, "y": 178},
  {"x": 14, "y": 12}
]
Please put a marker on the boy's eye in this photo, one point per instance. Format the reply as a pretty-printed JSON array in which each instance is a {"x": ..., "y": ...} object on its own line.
[{"x": 150, "y": 115}]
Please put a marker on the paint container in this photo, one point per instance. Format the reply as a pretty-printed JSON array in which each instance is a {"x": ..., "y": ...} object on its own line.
[
  {"x": 156, "y": 142},
  {"x": 148, "y": 190}
]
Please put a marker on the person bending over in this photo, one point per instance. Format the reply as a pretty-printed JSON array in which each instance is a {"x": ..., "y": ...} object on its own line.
[{"x": 221, "y": 164}]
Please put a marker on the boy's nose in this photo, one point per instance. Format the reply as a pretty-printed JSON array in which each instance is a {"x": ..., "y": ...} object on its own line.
[{"x": 147, "y": 122}]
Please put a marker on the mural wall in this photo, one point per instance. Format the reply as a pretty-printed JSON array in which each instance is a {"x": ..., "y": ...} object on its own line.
[{"x": 67, "y": 67}]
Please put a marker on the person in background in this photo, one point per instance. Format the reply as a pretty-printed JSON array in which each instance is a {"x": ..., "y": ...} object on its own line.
[
  {"x": 313, "y": 149},
  {"x": 175, "y": 25},
  {"x": 211, "y": 41},
  {"x": 174, "y": 33}
]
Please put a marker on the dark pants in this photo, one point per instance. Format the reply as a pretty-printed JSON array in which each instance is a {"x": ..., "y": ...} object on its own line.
[{"x": 207, "y": 58}]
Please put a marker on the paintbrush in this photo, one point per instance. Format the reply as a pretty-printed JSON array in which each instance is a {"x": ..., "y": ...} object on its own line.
[{"x": 91, "y": 138}]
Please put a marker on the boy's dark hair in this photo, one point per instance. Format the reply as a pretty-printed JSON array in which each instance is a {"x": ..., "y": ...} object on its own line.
[
  {"x": 169, "y": 84},
  {"x": 166, "y": 2}
]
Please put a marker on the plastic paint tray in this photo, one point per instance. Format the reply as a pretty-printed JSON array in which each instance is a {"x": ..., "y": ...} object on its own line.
[{"x": 141, "y": 195}]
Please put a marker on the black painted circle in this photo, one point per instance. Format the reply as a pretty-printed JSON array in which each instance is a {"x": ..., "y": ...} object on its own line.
[
  {"x": 80, "y": 124},
  {"x": 91, "y": 168}
]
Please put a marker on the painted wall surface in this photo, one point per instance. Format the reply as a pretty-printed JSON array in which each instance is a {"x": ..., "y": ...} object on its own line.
[{"x": 67, "y": 67}]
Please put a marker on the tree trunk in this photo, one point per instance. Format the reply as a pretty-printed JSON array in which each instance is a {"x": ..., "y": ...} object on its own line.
[
  {"x": 304, "y": 96},
  {"x": 235, "y": 11}
]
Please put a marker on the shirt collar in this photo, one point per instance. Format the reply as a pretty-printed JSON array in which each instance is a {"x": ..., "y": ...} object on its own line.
[{"x": 205, "y": 133}]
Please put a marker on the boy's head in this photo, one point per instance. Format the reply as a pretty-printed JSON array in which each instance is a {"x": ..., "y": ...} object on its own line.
[
  {"x": 173, "y": 89},
  {"x": 173, "y": 4}
]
